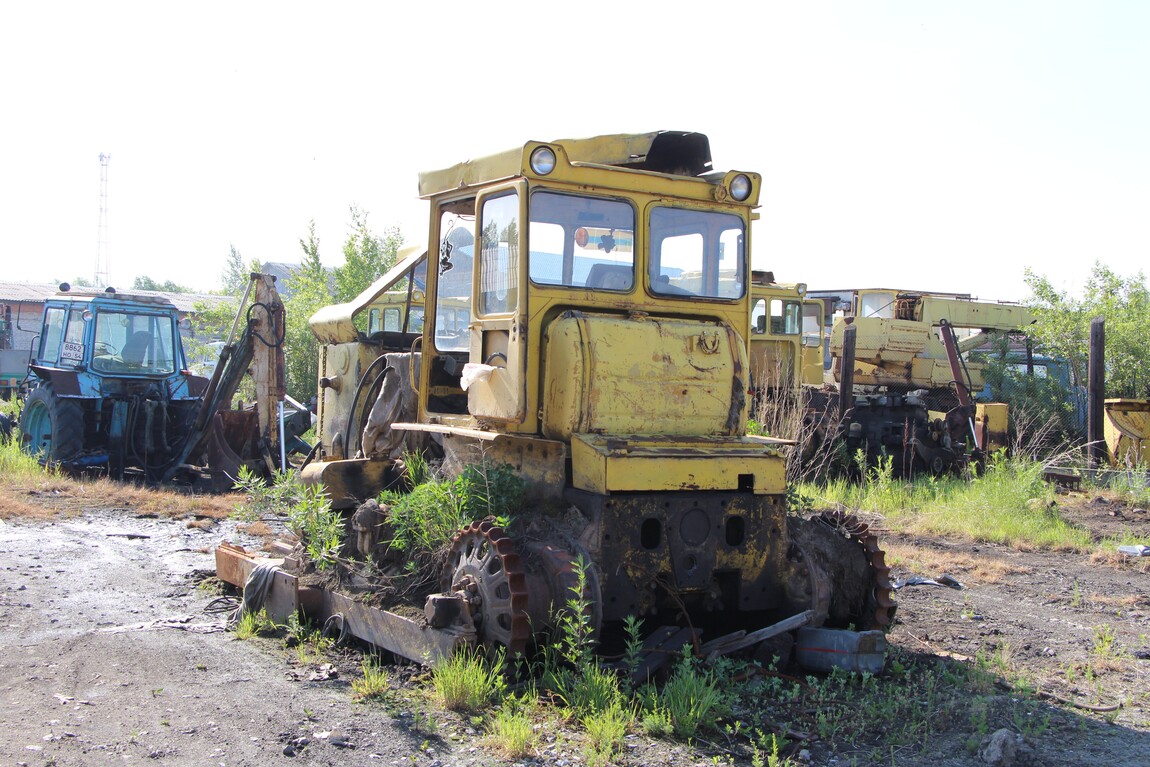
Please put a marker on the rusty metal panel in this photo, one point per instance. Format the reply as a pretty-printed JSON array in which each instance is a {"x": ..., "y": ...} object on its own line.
[
  {"x": 335, "y": 324},
  {"x": 234, "y": 565},
  {"x": 381, "y": 628},
  {"x": 714, "y": 552},
  {"x": 992, "y": 419},
  {"x": 350, "y": 481},
  {"x": 396, "y": 633},
  {"x": 541, "y": 463}
]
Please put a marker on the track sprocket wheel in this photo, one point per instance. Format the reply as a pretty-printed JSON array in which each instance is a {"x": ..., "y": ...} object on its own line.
[
  {"x": 483, "y": 564},
  {"x": 880, "y": 608}
]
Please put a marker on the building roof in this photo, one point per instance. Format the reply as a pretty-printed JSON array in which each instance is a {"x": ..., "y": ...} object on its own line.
[
  {"x": 281, "y": 270},
  {"x": 26, "y": 291},
  {"x": 284, "y": 271},
  {"x": 38, "y": 292}
]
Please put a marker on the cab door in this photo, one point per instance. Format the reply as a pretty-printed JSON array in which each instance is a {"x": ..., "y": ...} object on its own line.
[
  {"x": 813, "y": 342},
  {"x": 496, "y": 375}
]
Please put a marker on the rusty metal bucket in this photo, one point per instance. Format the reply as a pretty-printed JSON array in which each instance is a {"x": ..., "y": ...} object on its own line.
[
  {"x": 232, "y": 442},
  {"x": 1127, "y": 431}
]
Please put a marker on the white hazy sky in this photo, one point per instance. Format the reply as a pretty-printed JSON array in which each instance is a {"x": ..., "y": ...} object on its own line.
[{"x": 919, "y": 144}]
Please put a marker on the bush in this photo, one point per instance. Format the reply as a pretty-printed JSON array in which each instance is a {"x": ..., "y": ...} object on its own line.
[{"x": 428, "y": 517}]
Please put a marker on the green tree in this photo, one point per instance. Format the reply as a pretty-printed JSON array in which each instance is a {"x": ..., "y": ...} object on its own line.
[
  {"x": 213, "y": 320},
  {"x": 144, "y": 282},
  {"x": 1063, "y": 327},
  {"x": 309, "y": 292},
  {"x": 234, "y": 279},
  {"x": 366, "y": 256}
]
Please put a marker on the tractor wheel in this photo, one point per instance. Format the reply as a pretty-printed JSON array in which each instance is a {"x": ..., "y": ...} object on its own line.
[{"x": 51, "y": 427}]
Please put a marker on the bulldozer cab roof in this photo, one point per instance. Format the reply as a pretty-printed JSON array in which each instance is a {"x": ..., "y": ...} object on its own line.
[{"x": 681, "y": 153}]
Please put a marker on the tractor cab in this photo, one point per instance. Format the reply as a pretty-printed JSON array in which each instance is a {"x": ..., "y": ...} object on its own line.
[
  {"x": 91, "y": 338},
  {"x": 110, "y": 385}
]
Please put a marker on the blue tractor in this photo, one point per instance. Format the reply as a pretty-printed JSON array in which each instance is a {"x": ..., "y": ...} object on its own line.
[{"x": 111, "y": 389}]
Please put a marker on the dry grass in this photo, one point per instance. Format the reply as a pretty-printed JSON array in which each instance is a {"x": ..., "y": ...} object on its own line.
[
  {"x": 50, "y": 496},
  {"x": 23, "y": 506},
  {"x": 258, "y": 529},
  {"x": 933, "y": 562},
  {"x": 1120, "y": 600},
  {"x": 1107, "y": 554}
]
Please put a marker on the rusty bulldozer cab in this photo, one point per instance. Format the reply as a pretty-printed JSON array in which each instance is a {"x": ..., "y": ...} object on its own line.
[{"x": 585, "y": 308}]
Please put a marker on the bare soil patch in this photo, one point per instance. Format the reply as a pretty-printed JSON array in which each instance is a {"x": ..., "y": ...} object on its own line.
[{"x": 111, "y": 655}]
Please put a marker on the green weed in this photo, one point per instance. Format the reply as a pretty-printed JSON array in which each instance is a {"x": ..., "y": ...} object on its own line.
[
  {"x": 374, "y": 684},
  {"x": 656, "y": 722},
  {"x": 319, "y": 526},
  {"x": 266, "y": 499},
  {"x": 587, "y": 690},
  {"x": 606, "y": 729},
  {"x": 1009, "y": 504},
  {"x": 17, "y": 466},
  {"x": 512, "y": 733},
  {"x": 692, "y": 697},
  {"x": 428, "y": 517},
  {"x": 1106, "y": 653},
  {"x": 468, "y": 681},
  {"x": 1133, "y": 486},
  {"x": 251, "y": 625},
  {"x": 633, "y": 650},
  {"x": 306, "y": 642}
]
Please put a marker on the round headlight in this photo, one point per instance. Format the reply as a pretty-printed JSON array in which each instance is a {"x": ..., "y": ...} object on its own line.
[
  {"x": 543, "y": 160},
  {"x": 740, "y": 187},
  {"x": 86, "y": 315}
]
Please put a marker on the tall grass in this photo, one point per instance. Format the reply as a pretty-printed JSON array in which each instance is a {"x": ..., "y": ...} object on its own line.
[
  {"x": 1009, "y": 504},
  {"x": 16, "y": 466},
  {"x": 469, "y": 681}
]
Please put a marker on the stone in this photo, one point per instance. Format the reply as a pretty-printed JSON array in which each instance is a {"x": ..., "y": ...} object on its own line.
[{"x": 1001, "y": 748}]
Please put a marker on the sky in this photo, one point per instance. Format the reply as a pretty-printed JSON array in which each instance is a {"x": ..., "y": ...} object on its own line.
[{"x": 917, "y": 145}]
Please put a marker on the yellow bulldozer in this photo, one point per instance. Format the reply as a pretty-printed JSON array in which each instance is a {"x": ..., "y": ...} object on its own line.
[{"x": 581, "y": 313}]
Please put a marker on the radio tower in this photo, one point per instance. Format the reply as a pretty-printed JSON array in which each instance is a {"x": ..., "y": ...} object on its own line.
[{"x": 101, "y": 277}]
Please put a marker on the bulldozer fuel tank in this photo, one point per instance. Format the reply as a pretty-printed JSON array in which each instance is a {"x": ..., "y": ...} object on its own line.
[{"x": 642, "y": 375}]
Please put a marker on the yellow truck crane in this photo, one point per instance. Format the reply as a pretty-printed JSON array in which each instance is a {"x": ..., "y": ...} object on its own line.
[
  {"x": 582, "y": 313},
  {"x": 913, "y": 389}
]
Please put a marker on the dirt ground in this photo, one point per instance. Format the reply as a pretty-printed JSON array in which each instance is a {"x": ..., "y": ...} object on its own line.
[{"x": 111, "y": 656}]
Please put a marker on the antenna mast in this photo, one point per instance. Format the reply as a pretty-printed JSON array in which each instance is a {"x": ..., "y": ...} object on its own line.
[{"x": 101, "y": 276}]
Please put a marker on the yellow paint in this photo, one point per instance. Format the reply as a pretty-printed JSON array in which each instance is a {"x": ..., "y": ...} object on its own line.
[
  {"x": 1127, "y": 431},
  {"x": 602, "y": 464},
  {"x": 993, "y": 419},
  {"x": 776, "y": 343},
  {"x": 618, "y": 375},
  {"x": 897, "y": 340},
  {"x": 555, "y": 359}
]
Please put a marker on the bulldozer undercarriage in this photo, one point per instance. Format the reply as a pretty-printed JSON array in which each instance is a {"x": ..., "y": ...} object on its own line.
[
  {"x": 848, "y": 578},
  {"x": 498, "y": 592},
  {"x": 512, "y": 588}
]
